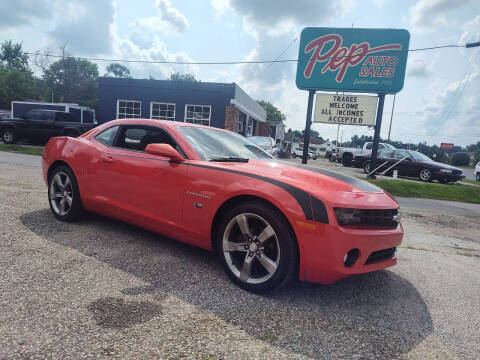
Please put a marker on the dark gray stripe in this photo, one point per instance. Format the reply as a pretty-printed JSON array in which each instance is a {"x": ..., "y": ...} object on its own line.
[
  {"x": 302, "y": 197},
  {"x": 360, "y": 184}
]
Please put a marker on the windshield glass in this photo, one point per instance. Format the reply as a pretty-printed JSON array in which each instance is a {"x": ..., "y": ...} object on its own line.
[
  {"x": 419, "y": 156},
  {"x": 264, "y": 143},
  {"x": 216, "y": 144}
]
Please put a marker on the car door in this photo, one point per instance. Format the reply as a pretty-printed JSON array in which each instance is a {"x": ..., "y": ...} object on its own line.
[
  {"x": 140, "y": 187},
  {"x": 33, "y": 124},
  {"x": 404, "y": 167}
]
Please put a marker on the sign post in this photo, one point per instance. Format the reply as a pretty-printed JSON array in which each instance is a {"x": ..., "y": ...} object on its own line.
[
  {"x": 353, "y": 60},
  {"x": 376, "y": 135}
]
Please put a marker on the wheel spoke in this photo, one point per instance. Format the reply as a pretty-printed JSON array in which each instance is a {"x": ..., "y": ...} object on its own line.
[
  {"x": 267, "y": 263},
  {"x": 59, "y": 181},
  {"x": 56, "y": 195},
  {"x": 266, "y": 234},
  {"x": 231, "y": 246},
  {"x": 62, "y": 206},
  {"x": 69, "y": 200},
  {"x": 246, "y": 268},
  {"x": 67, "y": 182},
  {"x": 242, "y": 222}
]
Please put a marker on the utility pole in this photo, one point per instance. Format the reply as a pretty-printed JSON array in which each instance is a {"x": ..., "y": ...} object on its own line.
[
  {"x": 338, "y": 130},
  {"x": 391, "y": 117}
]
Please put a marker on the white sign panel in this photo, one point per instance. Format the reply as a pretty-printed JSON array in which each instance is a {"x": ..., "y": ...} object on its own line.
[{"x": 345, "y": 109}]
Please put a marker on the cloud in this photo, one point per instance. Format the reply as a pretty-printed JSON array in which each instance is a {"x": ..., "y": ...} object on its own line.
[
  {"x": 171, "y": 15},
  {"x": 84, "y": 26},
  {"x": 14, "y": 13},
  {"x": 430, "y": 14},
  {"x": 471, "y": 31},
  {"x": 417, "y": 67}
]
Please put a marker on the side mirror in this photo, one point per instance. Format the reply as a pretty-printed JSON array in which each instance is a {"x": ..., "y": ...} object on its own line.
[{"x": 164, "y": 150}]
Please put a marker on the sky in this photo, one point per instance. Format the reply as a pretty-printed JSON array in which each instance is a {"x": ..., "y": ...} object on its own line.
[{"x": 439, "y": 102}]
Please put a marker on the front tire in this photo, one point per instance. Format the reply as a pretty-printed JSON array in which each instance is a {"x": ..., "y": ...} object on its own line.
[
  {"x": 425, "y": 175},
  {"x": 64, "y": 195},
  {"x": 478, "y": 176},
  {"x": 9, "y": 136},
  {"x": 347, "y": 160},
  {"x": 256, "y": 247}
]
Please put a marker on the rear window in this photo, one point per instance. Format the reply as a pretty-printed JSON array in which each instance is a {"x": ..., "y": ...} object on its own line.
[{"x": 107, "y": 137}]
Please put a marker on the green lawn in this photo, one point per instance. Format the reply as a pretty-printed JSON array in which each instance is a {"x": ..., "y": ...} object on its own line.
[
  {"x": 453, "y": 192},
  {"x": 21, "y": 149},
  {"x": 474, "y": 182}
]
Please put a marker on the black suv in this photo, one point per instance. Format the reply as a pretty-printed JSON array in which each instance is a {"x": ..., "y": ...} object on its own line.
[{"x": 37, "y": 126}]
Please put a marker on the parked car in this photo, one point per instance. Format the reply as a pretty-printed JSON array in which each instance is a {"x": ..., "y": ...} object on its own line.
[
  {"x": 37, "y": 126},
  {"x": 215, "y": 189},
  {"x": 298, "y": 152},
  {"x": 4, "y": 115},
  {"x": 266, "y": 143},
  {"x": 414, "y": 165},
  {"x": 476, "y": 172},
  {"x": 347, "y": 155}
]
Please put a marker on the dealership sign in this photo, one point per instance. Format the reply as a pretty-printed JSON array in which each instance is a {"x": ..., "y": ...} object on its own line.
[
  {"x": 345, "y": 109},
  {"x": 349, "y": 59}
]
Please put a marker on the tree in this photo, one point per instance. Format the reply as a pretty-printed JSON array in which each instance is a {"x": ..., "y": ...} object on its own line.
[
  {"x": 117, "y": 71},
  {"x": 16, "y": 78},
  {"x": 73, "y": 80},
  {"x": 176, "y": 76},
  {"x": 273, "y": 113}
]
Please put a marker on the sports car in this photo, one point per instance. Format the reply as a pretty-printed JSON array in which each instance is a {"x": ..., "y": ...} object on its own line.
[{"x": 268, "y": 221}]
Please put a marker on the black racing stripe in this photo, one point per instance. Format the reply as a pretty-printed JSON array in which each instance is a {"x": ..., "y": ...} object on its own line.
[
  {"x": 302, "y": 197},
  {"x": 319, "y": 211},
  {"x": 360, "y": 184}
]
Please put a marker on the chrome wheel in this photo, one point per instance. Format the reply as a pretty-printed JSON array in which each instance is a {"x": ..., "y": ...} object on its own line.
[
  {"x": 425, "y": 175},
  {"x": 60, "y": 193},
  {"x": 251, "y": 248},
  {"x": 8, "y": 136}
]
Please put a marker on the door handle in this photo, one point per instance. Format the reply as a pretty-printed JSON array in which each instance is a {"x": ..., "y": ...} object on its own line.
[{"x": 108, "y": 159}]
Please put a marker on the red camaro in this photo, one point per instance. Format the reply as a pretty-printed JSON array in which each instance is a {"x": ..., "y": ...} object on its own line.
[{"x": 268, "y": 221}]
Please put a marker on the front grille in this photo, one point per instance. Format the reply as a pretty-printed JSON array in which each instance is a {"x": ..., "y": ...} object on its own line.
[
  {"x": 368, "y": 217},
  {"x": 381, "y": 255},
  {"x": 457, "y": 172}
]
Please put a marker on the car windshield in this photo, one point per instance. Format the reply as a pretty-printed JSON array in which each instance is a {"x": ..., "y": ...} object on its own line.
[
  {"x": 263, "y": 142},
  {"x": 419, "y": 156},
  {"x": 212, "y": 144},
  {"x": 390, "y": 147}
]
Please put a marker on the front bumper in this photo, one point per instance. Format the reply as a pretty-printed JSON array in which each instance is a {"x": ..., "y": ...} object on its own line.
[
  {"x": 449, "y": 177},
  {"x": 322, "y": 251}
]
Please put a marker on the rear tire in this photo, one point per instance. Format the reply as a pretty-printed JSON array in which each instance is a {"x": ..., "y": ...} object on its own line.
[
  {"x": 9, "y": 136},
  {"x": 366, "y": 167},
  {"x": 256, "y": 247},
  {"x": 478, "y": 176},
  {"x": 331, "y": 158},
  {"x": 64, "y": 194},
  {"x": 347, "y": 160}
]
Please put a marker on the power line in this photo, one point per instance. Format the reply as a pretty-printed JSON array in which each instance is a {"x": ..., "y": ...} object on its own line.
[
  {"x": 283, "y": 52},
  {"x": 225, "y": 62}
]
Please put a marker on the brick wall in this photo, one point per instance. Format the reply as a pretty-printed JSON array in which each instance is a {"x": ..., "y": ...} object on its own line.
[
  {"x": 231, "y": 118},
  {"x": 262, "y": 129}
]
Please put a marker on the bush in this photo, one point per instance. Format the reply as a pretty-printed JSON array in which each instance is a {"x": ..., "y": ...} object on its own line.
[{"x": 460, "y": 159}]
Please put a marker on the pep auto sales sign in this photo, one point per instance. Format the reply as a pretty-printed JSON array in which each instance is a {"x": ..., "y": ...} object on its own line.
[{"x": 349, "y": 59}]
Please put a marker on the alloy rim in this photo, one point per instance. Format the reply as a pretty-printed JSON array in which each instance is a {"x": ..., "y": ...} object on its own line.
[
  {"x": 367, "y": 168},
  {"x": 251, "y": 248},
  {"x": 61, "y": 193},
  {"x": 425, "y": 174},
  {"x": 8, "y": 136}
]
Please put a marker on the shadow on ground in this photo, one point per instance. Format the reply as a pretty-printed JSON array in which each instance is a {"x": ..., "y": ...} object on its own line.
[{"x": 378, "y": 314}]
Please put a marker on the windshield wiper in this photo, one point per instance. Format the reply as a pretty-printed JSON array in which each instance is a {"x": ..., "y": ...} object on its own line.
[{"x": 229, "y": 159}]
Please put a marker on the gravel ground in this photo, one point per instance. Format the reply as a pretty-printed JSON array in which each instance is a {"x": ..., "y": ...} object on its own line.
[{"x": 99, "y": 288}]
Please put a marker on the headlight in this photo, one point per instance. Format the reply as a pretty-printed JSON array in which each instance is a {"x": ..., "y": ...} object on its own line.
[
  {"x": 446, "y": 171},
  {"x": 368, "y": 217}
]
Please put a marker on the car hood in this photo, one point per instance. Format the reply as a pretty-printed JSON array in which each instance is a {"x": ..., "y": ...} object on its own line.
[
  {"x": 440, "y": 165},
  {"x": 337, "y": 189}
]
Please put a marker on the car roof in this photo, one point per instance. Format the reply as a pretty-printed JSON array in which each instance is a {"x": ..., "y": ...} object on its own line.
[{"x": 165, "y": 123}]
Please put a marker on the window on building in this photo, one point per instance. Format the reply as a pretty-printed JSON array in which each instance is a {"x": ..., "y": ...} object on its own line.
[
  {"x": 198, "y": 114},
  {"x": 241, "y": 123},
  {"x": 129, "y": 109},
  {"x": 249, "y": 127},
  {"x": 162, "y": 111}
]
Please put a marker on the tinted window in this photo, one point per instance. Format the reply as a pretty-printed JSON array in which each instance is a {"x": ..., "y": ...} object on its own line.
[
  {"x": 107, "y": 137},
  {"x": 65, "y": 117},
  {"x": 138, "y": 137},
  {"x": 369, "y": 146},
  {"x": 34, "y": 115},
  {"x": 385, "y": 154},
  {"x": 399, "y": 154}
]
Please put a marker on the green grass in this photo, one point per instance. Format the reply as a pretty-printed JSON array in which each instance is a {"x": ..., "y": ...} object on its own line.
[
  {"x": 454, "y": 192},
  {"x": 20, "y": 149},
  {"x": 474, "y": 182}
]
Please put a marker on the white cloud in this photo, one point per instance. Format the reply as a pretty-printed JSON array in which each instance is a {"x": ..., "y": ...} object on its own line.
[
  {"x": 14, "y": 13},
  {"x": 417, "y": 66},
  {"x": 171, "y": 16},
  {"x": 430, "y": 14},
  {"x": 220, "y": 6},
  {"x": 471, "y": 31}
]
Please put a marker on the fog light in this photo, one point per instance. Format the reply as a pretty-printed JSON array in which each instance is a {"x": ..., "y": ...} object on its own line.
[{"x": 351, "y": 257}]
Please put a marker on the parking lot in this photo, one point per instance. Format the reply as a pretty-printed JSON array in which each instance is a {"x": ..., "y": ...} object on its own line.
[{"x": 99, "y": 288}]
